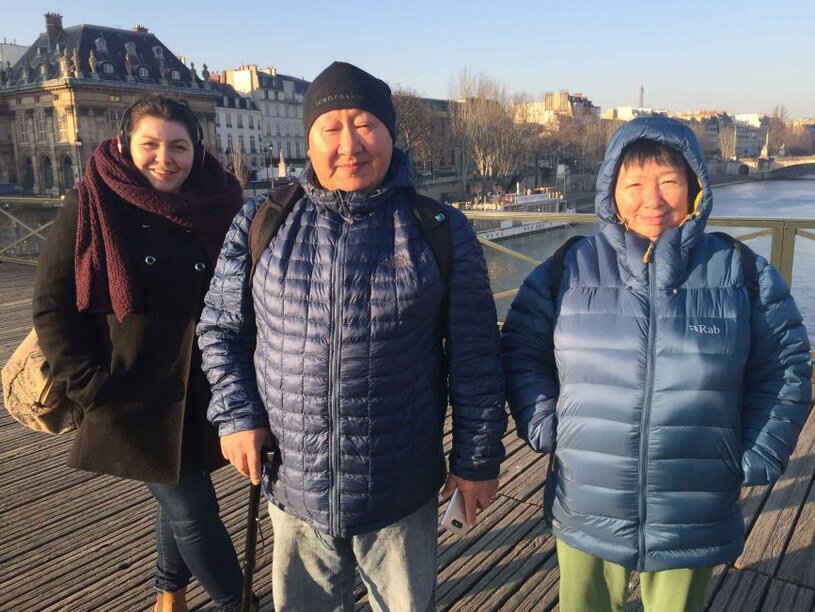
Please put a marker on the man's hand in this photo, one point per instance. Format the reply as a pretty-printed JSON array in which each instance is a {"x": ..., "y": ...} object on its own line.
[
  {"x": 242, "y": 449},
  {"x": 478, "y": 494}
]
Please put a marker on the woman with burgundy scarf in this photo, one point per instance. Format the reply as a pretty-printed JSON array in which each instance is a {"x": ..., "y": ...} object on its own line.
[{"x": 119, "y": 290}]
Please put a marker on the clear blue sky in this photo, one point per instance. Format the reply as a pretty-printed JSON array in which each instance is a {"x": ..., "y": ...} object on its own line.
[{"x": 742, "y": 57}]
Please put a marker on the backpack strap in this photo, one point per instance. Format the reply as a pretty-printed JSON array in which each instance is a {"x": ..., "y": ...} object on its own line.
[
  {"x": 435, "y": 224},
  {"x": 268, "y": 218},
  {"x": 749, "y": 264},
  {"x": 556, "y": 268}
]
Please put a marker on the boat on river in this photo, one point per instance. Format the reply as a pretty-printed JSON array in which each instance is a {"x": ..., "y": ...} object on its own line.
[{"x": 541, "y": 200}]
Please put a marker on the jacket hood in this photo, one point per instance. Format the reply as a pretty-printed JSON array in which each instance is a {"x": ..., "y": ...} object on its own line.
[
  {"x": 674, "y": 134},
  {"x": 352, "y": 205}
]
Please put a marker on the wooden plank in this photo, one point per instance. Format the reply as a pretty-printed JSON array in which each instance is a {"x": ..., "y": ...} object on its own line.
[
  {"x": 463, "y": 570},
  {"x": 798, "y": 564},
  {"x": 741, "y": 590},
  {"x": 524, "y": 574},
  {"x": 771, "y": 533},
  {"x": 785, "y": 596}
]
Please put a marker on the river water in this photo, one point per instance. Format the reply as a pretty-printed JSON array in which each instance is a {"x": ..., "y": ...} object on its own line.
[{"x": 789, "y": 199}]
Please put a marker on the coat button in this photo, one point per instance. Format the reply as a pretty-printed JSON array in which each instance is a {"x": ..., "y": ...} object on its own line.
[
  {"x": 150, "y": 260},
  {"x": 200, "y": 267}
]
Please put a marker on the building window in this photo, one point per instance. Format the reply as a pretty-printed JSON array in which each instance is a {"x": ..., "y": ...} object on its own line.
[
  {"x": 175, "y": 75},
  {"x": 114, "y": 118},
  {"x": 240, "y": 142},
  {"x": 218, "y": 142},
  {"x": 228, "y": 144},
  {"x": 143, "y": 72},
  {"x": 62, "y": 125},
  {"x": 288, "y": 149},
  {"x": 229, "y": 120},
  {"x": 158, "y": 52},
  {"x": 108, "y": 68},
  {"x": 42, "y": 128},
  {"x": 251, "y": 122},
  {"x": 217, "y": 120},
  {"x": 279, "y": 129},
  {"x": 252, "y": 148},
  {"x": 23, "y": 126},
  {"x": 47, "y": 173},
  {"x": 297, "y": 148},
  {"x": 240, "y": 120}
]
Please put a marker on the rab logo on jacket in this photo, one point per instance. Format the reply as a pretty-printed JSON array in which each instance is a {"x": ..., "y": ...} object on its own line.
[{"x": 705, "y": 329}]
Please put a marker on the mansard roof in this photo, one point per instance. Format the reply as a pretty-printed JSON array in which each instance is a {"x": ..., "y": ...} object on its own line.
[
  {"x": 275, "y": 81},
  {"x": 136, "y": 53},
  {"x": 233, "y": 98}
]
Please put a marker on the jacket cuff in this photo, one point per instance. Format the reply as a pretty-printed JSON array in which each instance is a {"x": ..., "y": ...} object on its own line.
[
  {"x": 488, "y": 472},
  {"x": 244, "y": 423}
]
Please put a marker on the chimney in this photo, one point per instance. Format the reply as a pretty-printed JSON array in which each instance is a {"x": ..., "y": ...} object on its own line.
[
  {"x": 53, "y": 28},
  {"x": 140, "y": 29}
]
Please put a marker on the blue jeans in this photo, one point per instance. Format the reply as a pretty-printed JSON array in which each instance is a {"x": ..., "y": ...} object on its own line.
[
  {"x": 314, "y": 571},
  {"x": 192, "y": 540}
]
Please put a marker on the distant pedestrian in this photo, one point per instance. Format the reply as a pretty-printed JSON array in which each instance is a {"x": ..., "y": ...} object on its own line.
[{"x": 659, "y": 379}]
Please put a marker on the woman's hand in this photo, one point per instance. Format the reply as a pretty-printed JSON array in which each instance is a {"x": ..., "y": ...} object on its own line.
[{"x": 242, "y": 449}]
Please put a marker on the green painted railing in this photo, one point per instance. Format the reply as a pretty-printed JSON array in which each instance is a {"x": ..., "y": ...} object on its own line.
[
  {"x": 783, "y": 234},
  {"x": 23, "y": 222}
]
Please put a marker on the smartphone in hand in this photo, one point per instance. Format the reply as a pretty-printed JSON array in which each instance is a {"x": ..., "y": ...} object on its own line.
[{"x": 455, "y": 517}]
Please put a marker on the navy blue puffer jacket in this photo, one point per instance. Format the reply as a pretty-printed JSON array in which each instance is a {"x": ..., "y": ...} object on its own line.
[
  {"x": 659, "y": 386},
  {"x": 348, "y": 368}
]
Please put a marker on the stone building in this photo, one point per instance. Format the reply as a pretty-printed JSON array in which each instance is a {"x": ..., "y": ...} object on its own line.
[
  {"x": 556, "y": 106},
  {"x": 280, "y": 100},
  {"x": 238, "y": 127},
  {"x": 69, "y": 90}
]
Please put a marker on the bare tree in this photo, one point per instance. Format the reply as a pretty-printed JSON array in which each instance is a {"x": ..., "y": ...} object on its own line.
[
  {"x": 414, "y": 122},
  {"x": 799, "y": 140},
  {"x": 776, "y": 127},
  {"x": 483, "y": 127},
  {"x": 727, "y": 141}
]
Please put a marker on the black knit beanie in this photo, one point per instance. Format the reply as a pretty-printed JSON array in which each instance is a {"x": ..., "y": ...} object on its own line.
[{"x": 343, "y": 85}]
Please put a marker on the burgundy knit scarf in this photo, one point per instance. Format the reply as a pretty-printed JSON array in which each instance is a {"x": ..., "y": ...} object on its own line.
[{"x": 104, "y": 281}]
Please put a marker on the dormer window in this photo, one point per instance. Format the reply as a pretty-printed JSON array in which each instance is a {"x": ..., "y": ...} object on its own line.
[
  {"x": 130, "y": 48},
  {"x": 175, "y": 75},
  {"x": 101, "y": 44},
  {"x": 143, "y": 72},
  {"x": 108, "y": 68},
  {"x": 158, "y": 52}
]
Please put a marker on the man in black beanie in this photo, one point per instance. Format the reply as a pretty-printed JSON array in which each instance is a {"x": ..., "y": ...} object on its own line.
[{"x": 342, "y": 354}]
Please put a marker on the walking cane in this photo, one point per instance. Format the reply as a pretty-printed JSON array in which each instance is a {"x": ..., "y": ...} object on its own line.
[{"x": 267, "y": 458}]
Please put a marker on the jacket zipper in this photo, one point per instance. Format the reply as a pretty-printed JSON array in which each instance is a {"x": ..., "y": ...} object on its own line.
[
  {"x": 645, "y": 421},
  {"x": 334, "y": 348}
]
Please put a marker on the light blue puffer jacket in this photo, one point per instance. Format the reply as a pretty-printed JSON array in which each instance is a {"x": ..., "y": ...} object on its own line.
[
  {"x": 660, "y": 387},
  {"x": 348, "y": 368}
]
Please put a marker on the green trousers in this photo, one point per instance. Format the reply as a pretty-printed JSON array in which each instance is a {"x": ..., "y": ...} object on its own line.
[{"x": 590, "y": 584}]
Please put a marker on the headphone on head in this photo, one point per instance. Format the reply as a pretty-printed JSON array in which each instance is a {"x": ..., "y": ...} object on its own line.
[{"x": 199, "y": 152}]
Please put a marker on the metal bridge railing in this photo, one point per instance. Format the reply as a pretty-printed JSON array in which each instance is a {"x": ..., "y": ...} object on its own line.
[
  {"x": 24, "y": 221},
  {"x": 783, "y": 234}
]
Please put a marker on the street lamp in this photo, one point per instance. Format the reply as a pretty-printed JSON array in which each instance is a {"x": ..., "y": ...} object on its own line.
[{"x": 78, "y": 144}]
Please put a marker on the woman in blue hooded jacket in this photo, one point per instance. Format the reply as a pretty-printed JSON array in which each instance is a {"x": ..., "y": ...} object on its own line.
[{"x": 657, "y": 381}]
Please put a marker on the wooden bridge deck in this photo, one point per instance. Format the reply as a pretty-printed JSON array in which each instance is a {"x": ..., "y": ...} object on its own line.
[{"x": 71, "y": 540}]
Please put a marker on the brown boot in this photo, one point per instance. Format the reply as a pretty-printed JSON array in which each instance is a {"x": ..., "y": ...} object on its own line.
[{"x": 172, "y": 601}]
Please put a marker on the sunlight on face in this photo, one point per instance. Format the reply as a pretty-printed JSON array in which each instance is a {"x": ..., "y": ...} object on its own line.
[
  {"x": 163, "y": 152},
  {"x": 651, "y": 198},
  {"x": 350, "y": 150}
]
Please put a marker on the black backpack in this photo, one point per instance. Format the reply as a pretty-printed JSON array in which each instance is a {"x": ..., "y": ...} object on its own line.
[
  {"x": 749, "y": 267},
  {"x": 433, "y": 219}
]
